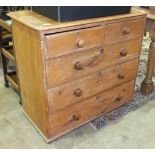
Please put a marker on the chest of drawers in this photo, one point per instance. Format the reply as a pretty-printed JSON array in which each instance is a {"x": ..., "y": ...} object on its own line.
[{"x": 71, "y": 73}]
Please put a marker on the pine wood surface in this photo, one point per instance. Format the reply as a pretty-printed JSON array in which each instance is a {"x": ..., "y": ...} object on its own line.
[{"x": 60, "y": 94}]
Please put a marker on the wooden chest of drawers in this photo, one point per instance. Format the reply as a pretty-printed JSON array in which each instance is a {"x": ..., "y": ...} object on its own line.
[{"x": 72, "y": 72}]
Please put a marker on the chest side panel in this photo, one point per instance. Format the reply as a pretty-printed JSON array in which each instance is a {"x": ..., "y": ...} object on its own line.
[{"x": 30, "y": 65}]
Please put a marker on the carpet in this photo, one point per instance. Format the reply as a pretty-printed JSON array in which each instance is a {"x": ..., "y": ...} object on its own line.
[
  {"x": 116, "y": 114},
  {"x": 139, "y": 99}
]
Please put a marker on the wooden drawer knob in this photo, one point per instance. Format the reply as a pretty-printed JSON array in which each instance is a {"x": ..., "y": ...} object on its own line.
[
  {"x": 78, "y": 66},
  {"x": 123, "y": 52},
  {"x": 118, "y": 98},
  {"x": 78, "y": 92},
  {"x": 80, "y": 43},
  {"x": 126, "y": 30},
  {"x": 121, "y": 76},
  {"x": 76, "y": 116}
]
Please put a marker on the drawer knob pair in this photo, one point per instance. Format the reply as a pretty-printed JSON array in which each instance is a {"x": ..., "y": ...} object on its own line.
[
  {"x": 121, "y": 76},
  {"x": 76, "y": 116},
  {"x": 78, "y": 92},
  {"x": 80, "y": 43},
  {"x": 123, "y": 52},
  {"x": 126, "y": 30}
]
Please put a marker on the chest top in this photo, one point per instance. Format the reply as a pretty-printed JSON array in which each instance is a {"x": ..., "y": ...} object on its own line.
[{"x": 40, "y": 23}]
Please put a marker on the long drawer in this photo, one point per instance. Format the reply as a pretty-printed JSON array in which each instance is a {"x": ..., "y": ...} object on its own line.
[
  {"x": 75, "y": 91},
  {"x": 77, "y": 65},
  {"x": 122, "y": 31},
  {"x": 72, "y": 41},
  {"x": 75, "y": 115}
]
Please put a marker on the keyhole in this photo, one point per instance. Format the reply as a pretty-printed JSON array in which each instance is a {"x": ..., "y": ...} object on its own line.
[
  {"x": 99, "y": 77},
  {"x": 99, "y": 73},
  {"x": 59, "y": 92},
  {"x": 97, "y": 97}
]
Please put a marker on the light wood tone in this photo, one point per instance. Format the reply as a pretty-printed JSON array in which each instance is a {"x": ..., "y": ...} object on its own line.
[
  {"x": 5, "y": 25},
  {"x": 8, "y": 52},
  {"x": 62, "y": 69},
  {"x": 67, "y": 42},
  {"x": 124, "y": 31},
  {"x": 39, "y": 22},
  {"x": 31, "y": 73},
  {"x": 64, "y": 121},
  {"x": 43, "y": 105},
  {"x": 7, "y": 36},
  {"x": 90, "y": 85},
  {"x": 13, "y": 81}
]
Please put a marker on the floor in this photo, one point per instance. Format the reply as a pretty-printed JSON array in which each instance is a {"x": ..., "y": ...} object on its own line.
[{"x": 135, "y": 130}]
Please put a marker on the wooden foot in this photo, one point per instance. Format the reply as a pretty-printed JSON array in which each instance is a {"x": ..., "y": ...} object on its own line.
[{"x": 146, "y": 87}]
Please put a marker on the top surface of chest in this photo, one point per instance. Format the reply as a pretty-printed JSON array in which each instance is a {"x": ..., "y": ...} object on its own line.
[{"x": 39, "y": 22}]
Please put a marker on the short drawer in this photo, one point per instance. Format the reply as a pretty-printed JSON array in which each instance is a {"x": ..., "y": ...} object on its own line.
[
  {"x": 69, "y": 42},
  {"x": 69, "y": 68},
  {"x": 78, "y": 114},
  {"x": 122, "y": 31},
  {"x": 77, "y": 90}
]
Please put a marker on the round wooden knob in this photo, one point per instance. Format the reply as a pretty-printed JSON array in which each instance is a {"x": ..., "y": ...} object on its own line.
[
  {"x": 78, "y": 92},
  {"x": 80, "y": 43},
  {"x": 76, "y": 116},
  {"x": 123, "y": 52},
  {"x": 118, "y": 98},
  {"x": 126, "y": 30},
  {"x": 78, "y": 66},
  {"x": 121, "y": 76}
]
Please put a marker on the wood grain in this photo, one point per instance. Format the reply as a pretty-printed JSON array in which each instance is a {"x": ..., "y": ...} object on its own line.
[
  {"x": 5, "y": 25},
  {"x": 31, "y": 73},
  {"x": 42, "y": 23},
  {"x": 69, "y": 73},
  {"x": 147, "y": 84},
  {"x": 116, "y": 32},
  {"x": 64, "y": 121},
  {"x": 90, "y": 85},
  {"x": 67, "y": 42},
  {"x": 61, "y": 70}
]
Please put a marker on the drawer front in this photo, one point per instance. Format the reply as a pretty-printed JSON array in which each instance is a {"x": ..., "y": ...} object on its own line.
[
  {"x": 75, "y": 115},
  {"x": 71, "y": 67},
  {"x": 72, "y": 41},
  {"x": 122, "y": 31},
  {"x": 80, "y": 89}
]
